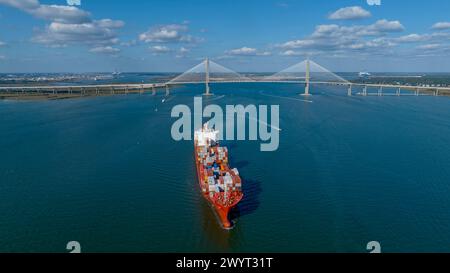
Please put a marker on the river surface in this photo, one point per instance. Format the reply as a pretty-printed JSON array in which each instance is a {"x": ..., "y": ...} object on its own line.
[{"x": 106, "y": 172}]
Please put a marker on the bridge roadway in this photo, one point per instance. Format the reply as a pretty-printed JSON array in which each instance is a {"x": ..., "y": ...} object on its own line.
[{"x": 141, "y": 88}]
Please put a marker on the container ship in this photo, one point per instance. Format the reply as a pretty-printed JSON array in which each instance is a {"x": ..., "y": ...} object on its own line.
[{"x": 220, "y": 185}]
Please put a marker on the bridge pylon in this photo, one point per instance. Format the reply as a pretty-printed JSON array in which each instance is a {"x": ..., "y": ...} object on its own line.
[
  {"x": 207, "y": 93},
  {"x": 307, "y": 78}
]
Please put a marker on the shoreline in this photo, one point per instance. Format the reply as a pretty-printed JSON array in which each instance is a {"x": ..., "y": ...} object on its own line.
[
  {"x": 42, "y": 97},
  {"x": 50, "y": 96}
]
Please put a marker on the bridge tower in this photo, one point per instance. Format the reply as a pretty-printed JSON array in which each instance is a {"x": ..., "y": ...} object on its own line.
[
  {"x": 207, "y": 78},
  {"x": 307, "y": 78}
]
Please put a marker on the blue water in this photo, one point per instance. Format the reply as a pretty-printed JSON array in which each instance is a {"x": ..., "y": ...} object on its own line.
[{"x": 105, "y": 172}]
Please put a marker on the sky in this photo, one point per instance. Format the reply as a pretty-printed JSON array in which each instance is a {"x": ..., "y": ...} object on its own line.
[{"x": 243, "y": 35}]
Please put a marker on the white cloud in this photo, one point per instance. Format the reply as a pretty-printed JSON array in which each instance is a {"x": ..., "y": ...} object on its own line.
[
  {"x": 2, "y": 43},
  {"x": 350, "y": 13},
  {"x": 68, "y": 25},
  {"x": 379, "y": 38},
  {"x": 247, "y": 51},
  {"x": 430, "y": 46},
  {"x": 338, "y": 39},
  {"x": 411, "y": 38},
  {"x": 87, "y": 33},
  {"x": 2, "y": 57},
  {"x": 168, "y": 34},
  {"x": 74, "y": 2},
  {"x": 299, "y": 44},
  {"x": 183, "y": 52},
  {"x": 243, "y": 51},
  {"x": 111, "y": 24},
  {"x": 433, "y": 49},
  {"x": 63, "y": 14},
  {"x": 67, "y": 14},
  {"x": 441, "y": 26},
  {"x": 105, "y": 50},
  {"x": 416, "y": 38},
  {"x": 158, "y": 49},
  {"x": 388, "y": 26},
  {"x": 291, "y": 53},
  {"x": 381, "y": 27},
  {"x": 21, "y": 4}
]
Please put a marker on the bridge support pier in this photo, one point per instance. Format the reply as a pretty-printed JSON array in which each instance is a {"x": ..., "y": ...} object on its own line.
[
  {"x": 306, "y": 90},
  {"x": 207, "y": 93},
  {"x": 399, "y": 91},
  {"x": 380, "y": 91},
  {"x": 167, "y": 91},
  {"x": 349, "y": 92},
  {"x": 153, "y": 90},
  {"x": 365, "y": 91},
  {"x": 437, "y": 92}
]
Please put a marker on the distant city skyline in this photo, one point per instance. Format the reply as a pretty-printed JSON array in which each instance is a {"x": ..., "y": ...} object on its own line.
[{"x": 246, "y": 36}]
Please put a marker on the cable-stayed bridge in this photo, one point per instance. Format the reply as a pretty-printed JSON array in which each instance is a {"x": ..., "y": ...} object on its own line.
[{"x": 305, "y": 73}]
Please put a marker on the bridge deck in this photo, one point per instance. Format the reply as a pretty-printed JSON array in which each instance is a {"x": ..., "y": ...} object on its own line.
[{"x": 131, "y": 87}]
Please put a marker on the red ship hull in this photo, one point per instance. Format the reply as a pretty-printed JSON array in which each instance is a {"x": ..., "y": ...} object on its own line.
[{"x": 221, "y": 201}]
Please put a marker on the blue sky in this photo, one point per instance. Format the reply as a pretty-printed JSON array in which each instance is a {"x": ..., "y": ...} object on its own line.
[{"x": 245, "y": 35}]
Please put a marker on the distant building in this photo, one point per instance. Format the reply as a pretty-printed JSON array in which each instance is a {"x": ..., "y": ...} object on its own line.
[{"x": 364, "y": 74}]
